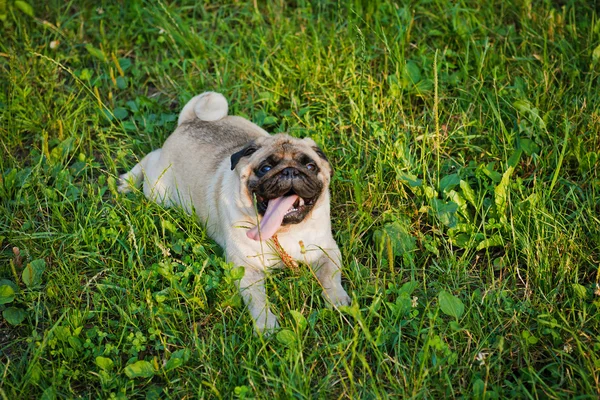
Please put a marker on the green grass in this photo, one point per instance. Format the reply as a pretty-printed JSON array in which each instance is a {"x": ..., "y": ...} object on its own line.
[{"x": 465, "y": 138}]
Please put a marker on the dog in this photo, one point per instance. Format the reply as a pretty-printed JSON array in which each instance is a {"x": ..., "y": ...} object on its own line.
[{"x": 248, "y": 188}]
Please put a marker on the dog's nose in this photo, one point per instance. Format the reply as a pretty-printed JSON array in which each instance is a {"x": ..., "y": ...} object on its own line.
[{"x": 289, "y": 172}]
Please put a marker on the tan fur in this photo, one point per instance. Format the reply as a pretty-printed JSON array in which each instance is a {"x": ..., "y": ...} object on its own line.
[{"x": 193, "y": 170}]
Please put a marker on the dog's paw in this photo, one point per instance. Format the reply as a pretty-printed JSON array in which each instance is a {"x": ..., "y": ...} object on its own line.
[
  {"x": 124, "y": 185},
  {"x": 266, "y": 325},
  {"x": 337, "y": 297}
]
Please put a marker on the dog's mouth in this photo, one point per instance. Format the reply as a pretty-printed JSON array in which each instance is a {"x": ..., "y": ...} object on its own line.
[
  {"x": 276, "y": 212},
  {"x": 298, "y": 208}
]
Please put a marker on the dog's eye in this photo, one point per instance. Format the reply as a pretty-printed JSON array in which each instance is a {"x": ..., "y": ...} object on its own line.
[
  {"x": 265, "y": 168},
  {"x": 311, "y": 166}
]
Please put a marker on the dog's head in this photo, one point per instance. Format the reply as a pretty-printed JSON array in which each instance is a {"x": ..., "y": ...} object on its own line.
[{"x": 286, "y": 175}]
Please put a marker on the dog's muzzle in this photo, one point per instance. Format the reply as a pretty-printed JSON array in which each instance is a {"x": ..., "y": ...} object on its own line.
[{"x": 282, "y": 198}]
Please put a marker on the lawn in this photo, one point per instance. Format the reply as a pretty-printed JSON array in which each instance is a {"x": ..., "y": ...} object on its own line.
[{"x": 465, "y": 139}]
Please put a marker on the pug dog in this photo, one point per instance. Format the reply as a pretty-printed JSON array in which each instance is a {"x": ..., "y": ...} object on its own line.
[{"x": 249, "y": 189}]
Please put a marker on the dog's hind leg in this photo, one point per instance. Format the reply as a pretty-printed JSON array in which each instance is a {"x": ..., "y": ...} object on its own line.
[
  {"x": 132, "y": 179},
  {"x": 144, "y": 169},
  {"x": 160, "y": 185}
]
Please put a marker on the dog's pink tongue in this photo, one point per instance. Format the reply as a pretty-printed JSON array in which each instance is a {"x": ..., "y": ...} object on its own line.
[{"x": 273, "y": 217}]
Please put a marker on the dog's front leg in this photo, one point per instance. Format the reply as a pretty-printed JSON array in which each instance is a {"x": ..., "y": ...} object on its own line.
[
  {"x": 252, "y": 289},
  {"x": 329, "y": 274}
]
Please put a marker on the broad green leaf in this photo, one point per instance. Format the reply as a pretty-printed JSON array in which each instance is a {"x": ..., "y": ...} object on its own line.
[
  {"x": 265, "y": 95},
  {"x": 177, "y": 359},
  {"x": 529, "y": 338},
  {"x": 446, "y": 212},
  {"x": 168, "y": 225},
  {"x": 237, "y": 273},
  {"x": 501, "y": 195},
  {"x": 461, "y": 240},
  {"x": 162, "y": 295},
  {"x": 409, "y": 287},
  {"x": 451, "y": 305},
  {"x": 468, "y": 193},
  {"x": 234, "y": 301},
  {"x": 75, "y": 342},
  {"x": 130, "y": 126},
  {"x": 14, "y": 315},
  {"x": 243, "y": 392},
  {"x": 25, "y": 7},
  {"x": 140, "y": 369},
  {"x": 64, "y": 148},
  {"x": 9, "y": 283},
  {"x": 99, "y": 54},
  {"x": 7, "y": 294},
  {"x": 424, "y": 85},
  {"x": 125, "y": 63},
  {"x": 165, "y": 118},
  {"x": 133, "y": 106},
  {"x": 493, "y": 175},
  {"x": 455, "y": 326},
  {"x": 403, "y": 304},
  {"x": 478, "y": 389},
  {"x": 495, "y": 240},
  {"x": 32, "y": 274},
  {"x": 286, "y": 337},
  {"x": 528, "y": 146},
  {"x": 410, "y": 179},
  {"x": 86, "y": 74},
  {"x": 269, "y": 120},
  {"x": 49, "y": 393},
  {"x": 3, "y": 14},
  {"x": 449, "y": 182},
  {"x": 596, "y": 53},
  {"x": 121, "y": 82},
  {"x": 398, "y": 234},
  {"x": 36, "y": 373},
  {"x": 155, "y": 393},
  {"x": 104, "y": 363},
  {"x": 460, "y": 202},
  {"x": 120, "y": 113},
  {"x": 300, "y": 320},
  {"x": 523, "y": 106},
  {"x": 514, "y": 159},
  {"x": 430, "y": 192},
  {"x": 431, "y": 244},
  {"x": 62, "y": 333},
  {"x": 411, "y": 74},
  {"x": 580, "y": 290}
]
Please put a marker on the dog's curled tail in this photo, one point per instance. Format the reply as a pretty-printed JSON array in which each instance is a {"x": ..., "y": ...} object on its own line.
[{"x": 208, "y": 106}]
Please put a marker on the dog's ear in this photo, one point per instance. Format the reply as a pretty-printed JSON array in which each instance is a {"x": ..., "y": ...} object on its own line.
[
  {"x": 246, "y": 151},
  {"x": 322, "y": 155}
]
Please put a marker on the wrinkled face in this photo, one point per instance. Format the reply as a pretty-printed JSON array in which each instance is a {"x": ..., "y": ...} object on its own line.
[{"x": 280, "y": 166}]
